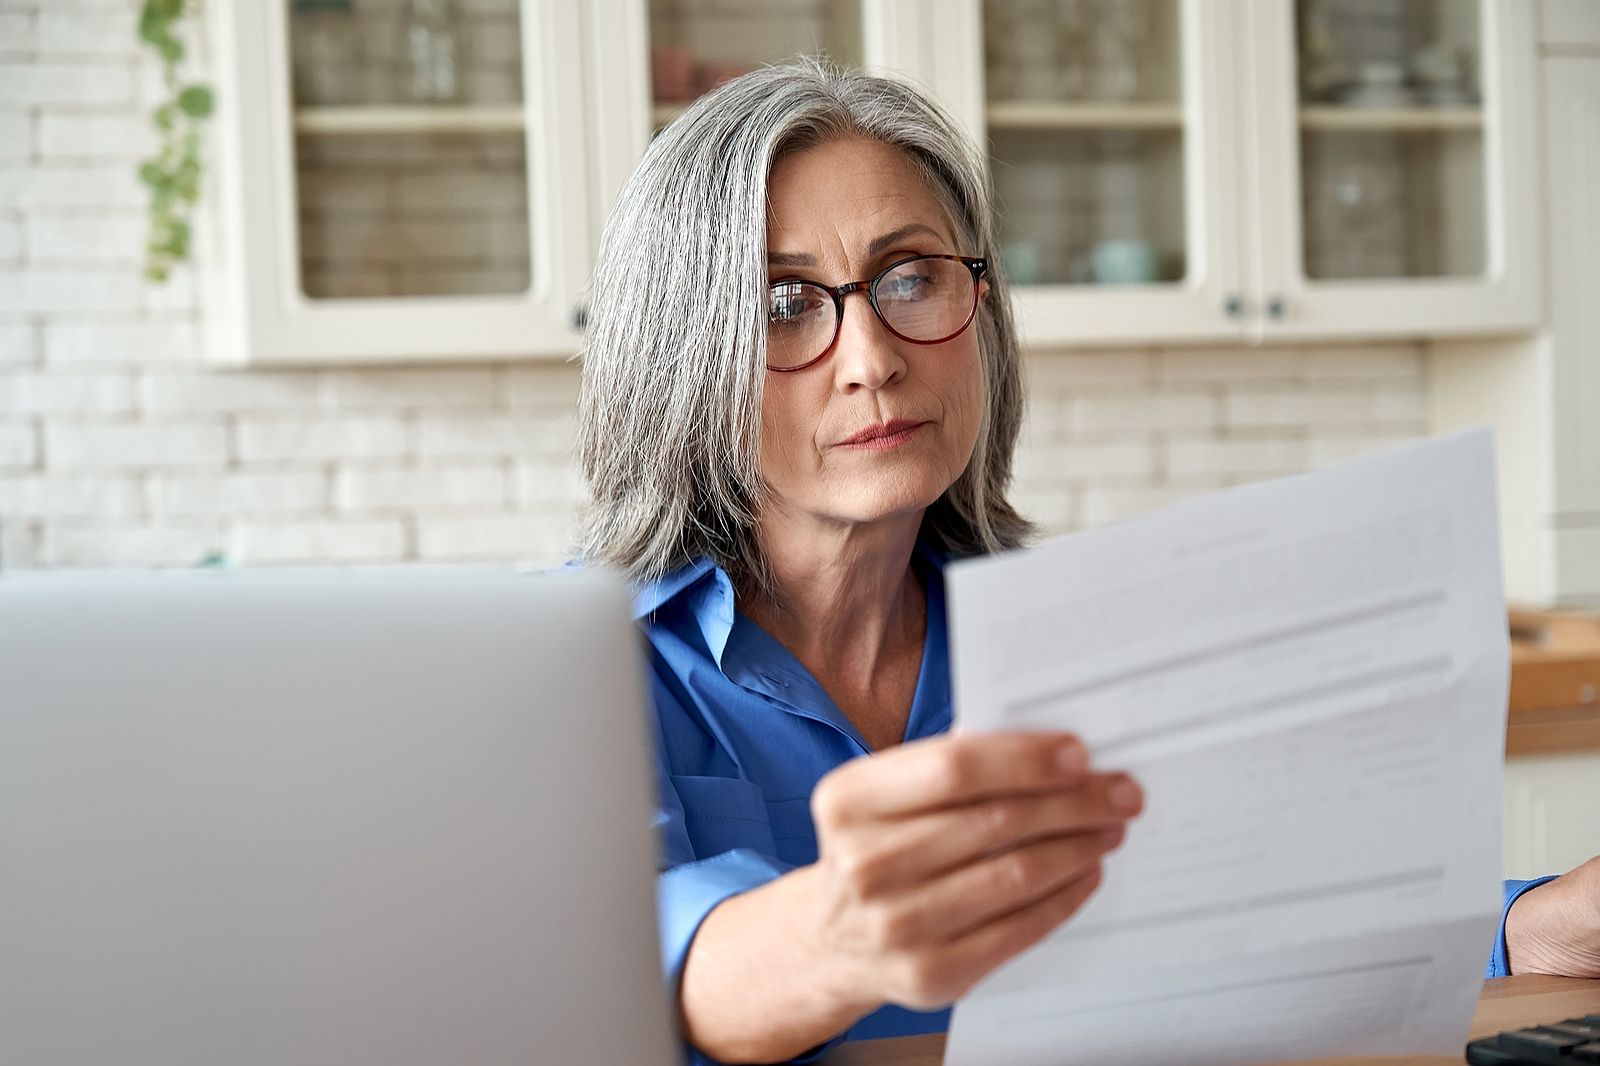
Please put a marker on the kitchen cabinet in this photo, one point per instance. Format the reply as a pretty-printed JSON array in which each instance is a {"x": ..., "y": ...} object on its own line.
[
  {"x": 1569, "y": 23},
  {"x": 1174, "y": 170},
  {"x": 1572, "y": 349},
  {"x": 1167, "y": 170},
  {"x": 412, "y": 180},
  {"x": 1552, "y": 813},
  {"x": 1542, "y": 392},
  {"x": 428, "y": 179}
]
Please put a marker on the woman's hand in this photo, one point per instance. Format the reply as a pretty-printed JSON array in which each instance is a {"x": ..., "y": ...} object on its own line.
[
  {"x": 938, "y": 861},
  {"x": 1555, "y": 928},
  {"x": 941, "y": 859}
]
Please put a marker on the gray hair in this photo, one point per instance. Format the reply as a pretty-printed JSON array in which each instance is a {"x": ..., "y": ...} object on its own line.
[{"x": 674, "y": 367}]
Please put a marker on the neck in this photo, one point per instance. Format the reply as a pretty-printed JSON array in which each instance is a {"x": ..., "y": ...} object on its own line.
[{"x": 846, "y": 597}]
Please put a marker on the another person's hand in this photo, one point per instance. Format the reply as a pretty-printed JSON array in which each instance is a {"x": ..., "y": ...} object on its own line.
[
  {"x": 941, "y": 859},
  {"x": 1555, "y": 928}
]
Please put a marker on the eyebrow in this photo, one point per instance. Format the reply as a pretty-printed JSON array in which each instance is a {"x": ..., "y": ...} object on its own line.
[{"x": 877, "y": 247}]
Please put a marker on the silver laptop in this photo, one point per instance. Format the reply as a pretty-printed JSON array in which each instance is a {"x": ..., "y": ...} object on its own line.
[{"x": 315, "y": 819}]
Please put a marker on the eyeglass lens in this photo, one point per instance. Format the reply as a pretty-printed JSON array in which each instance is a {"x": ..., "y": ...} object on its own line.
[{"x": 926, "y": 300}]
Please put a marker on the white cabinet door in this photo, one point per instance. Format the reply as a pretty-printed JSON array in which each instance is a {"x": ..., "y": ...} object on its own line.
[
  {"x": 1552, "y": 813},
  {"x": 1115, "y": 154},
  {"x": 400, "y": 182},
  {"x": 1389, "y": 204},
  {"x": 1570, "y": 22},
  {"x": 1572, "y": 144}
]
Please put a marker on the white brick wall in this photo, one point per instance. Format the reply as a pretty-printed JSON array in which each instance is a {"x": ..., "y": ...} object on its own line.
[
  {"x": 86, "y": 33},
  {"x": 1112, "y": 434},
  {"x": 118, "y": 447}
]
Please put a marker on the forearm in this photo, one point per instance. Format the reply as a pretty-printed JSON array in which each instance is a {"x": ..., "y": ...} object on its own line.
[
  {"x": 1554, "y": 928},
  {"x": 1528, "y": 926},
  {"x": 756, "y": 987}
]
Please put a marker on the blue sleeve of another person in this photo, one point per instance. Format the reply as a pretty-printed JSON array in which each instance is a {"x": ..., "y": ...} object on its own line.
[{"x": 1499, "y": 964}]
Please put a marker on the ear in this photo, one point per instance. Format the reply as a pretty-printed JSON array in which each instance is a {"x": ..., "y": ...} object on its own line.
[{"x": 983, "y": 289}]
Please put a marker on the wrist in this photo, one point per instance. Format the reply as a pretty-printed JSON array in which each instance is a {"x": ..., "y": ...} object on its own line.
[
  {"x": 849, "y": 988},
  {"x": 1537, "y": 928}
]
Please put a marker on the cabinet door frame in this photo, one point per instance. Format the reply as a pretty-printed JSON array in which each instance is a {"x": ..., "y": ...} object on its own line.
[
  {"x": 1505, "y": 299},
  {"x": 1208, "y": 304},
  {"x": 261, "y": 316}
]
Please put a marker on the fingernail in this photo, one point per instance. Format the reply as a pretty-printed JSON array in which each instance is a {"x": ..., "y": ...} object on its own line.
[
  {"x": 1112, "y": 836},
  {"x": 1073, "y": 760},
  {"x": 1126, "y": 796}
]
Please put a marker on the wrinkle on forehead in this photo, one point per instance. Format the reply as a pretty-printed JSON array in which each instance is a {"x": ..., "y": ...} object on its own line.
[{"x": 830, "y": 201}]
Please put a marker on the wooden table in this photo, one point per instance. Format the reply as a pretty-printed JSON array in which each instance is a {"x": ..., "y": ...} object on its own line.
[{"x": 1507, "y": 1003}]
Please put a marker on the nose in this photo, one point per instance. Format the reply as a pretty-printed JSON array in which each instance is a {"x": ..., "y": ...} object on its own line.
[{"x": 866, "y": 354}]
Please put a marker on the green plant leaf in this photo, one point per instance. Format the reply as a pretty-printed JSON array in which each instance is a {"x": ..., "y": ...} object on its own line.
[
  {"x": 195, "y": 101},
  {"x": 152, "y": 26},
  {"x": 174, "y": 175}
]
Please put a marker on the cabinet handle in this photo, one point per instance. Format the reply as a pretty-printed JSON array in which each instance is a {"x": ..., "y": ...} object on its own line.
[
  {"x": 1233, "y": 305},
  {"x": 1276, "y": 308}
]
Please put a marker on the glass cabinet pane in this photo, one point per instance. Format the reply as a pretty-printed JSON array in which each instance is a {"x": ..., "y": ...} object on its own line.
[
  {"x": 696, "y": 45},
  {"x": 1391, "y": 138},
  {"x": 410, "y": 152},
  {"x": 1084, "y": 107}
]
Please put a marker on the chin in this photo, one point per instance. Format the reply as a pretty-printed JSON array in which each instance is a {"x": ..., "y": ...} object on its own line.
[{"x": 886, "y": 498}]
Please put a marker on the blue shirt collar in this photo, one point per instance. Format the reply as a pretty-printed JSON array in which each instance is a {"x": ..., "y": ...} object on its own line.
[
  {"x": 652, "y": 596},
  {"x": 701, "y": 596}
]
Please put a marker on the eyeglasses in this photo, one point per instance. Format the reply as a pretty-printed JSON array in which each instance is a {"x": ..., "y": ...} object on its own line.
[{"x": 928, "y": 299}]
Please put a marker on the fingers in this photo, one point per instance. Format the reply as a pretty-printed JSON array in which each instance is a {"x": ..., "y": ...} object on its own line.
[
  {"x": 918, "y": 848},
  {"x": 948, "y": 771},
  {"x": 985, "y": 948},
  {"x": 930, "y": 979},
  {"x": 950, "y": 907}
]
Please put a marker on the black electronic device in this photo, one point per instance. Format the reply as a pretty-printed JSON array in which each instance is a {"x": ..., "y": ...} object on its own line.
[{"x": 1571, "y": 1043}]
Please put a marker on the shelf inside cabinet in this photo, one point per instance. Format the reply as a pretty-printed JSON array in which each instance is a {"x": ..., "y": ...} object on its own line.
[
  {"x": 1055, "y": 115},
  {"x": 421, "y": 119},
  {"x": 1392, "y": 119}
]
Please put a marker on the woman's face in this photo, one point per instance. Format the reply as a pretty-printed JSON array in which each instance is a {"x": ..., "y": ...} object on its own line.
[{"x": 841, "y": 212}]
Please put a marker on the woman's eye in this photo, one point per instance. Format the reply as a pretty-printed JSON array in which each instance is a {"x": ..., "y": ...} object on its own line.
[
  {"x": 788, "y": 306},
  {"x": 907, "y": 286}
]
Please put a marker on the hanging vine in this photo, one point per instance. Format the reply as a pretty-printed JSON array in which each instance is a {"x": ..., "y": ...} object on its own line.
[{"x": 173, "y": 175}]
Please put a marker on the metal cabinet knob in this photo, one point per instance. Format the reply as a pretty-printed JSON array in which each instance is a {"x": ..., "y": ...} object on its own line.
[
  {"x": 1277, "y": 309},
  {"x": 1233, "y": 305}
]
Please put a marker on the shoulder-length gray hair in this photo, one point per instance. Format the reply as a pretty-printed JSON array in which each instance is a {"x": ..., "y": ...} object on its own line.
[{"x": 673, "y": 368}]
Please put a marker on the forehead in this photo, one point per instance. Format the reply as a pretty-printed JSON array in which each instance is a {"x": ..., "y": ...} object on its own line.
[{"x": 849, "y": 190}]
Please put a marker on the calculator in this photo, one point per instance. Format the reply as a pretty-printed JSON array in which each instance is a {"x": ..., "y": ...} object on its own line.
[{"x": 1574, "y": 1041}]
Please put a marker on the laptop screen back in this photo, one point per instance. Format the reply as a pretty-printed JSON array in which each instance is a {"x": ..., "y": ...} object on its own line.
[{"x": 394, "y": 818}]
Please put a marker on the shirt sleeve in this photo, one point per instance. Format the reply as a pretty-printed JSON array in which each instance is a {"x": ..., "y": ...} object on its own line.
[
  {"x": 689, "y": 888},
  {"x": 1499, "y": 963}
]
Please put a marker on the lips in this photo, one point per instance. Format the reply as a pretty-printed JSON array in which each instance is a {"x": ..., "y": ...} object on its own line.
[{"x": 884, "y": 429}]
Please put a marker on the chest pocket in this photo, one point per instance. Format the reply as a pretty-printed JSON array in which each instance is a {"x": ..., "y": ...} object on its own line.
[
  {"x": 723, "y": 813},
  {"x": 794, "y": 830}
]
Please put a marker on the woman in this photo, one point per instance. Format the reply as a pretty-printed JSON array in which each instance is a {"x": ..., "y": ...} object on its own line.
[{"x": 801, "y": 396}]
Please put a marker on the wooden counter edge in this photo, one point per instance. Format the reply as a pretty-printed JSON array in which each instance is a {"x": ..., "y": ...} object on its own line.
[{"x": 1506, "y": 1003}]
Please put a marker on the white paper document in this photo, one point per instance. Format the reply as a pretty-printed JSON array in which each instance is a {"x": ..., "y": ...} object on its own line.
[{"x": 1308, "y": 677}]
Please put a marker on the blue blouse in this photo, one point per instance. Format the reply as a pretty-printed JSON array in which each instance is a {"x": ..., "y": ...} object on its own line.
[{"x": 743, "y": 734}]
